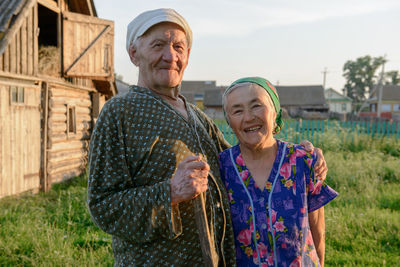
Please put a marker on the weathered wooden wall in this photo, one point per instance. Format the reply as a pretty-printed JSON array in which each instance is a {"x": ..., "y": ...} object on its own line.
[
  {"x": 21, "y": 55},
  {"x": 88, "y": 46},
  {"x": 67, "y": 152},
  {"x": 19, "y": 138}
]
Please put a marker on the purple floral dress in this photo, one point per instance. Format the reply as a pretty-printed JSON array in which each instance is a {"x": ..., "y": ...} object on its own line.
[{"x": 295, "y": 193}]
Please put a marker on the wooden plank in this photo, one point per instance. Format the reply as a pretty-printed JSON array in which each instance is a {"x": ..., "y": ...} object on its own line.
[
  {"x": 23, "y": 48},
  {"x": 18, "y": 51},
  {"x": 30, "y": 40},
  {"x": 64, "y": 175},
  {"x": 68, "y": 93},
  {"x": 50, "y": 5},
  {"x": 68, "y": 155},
  {"x": 75, "y": 17},
  {"x": 13, "y": 55},
  {"x": 75, "y": 102},
  {"x": 65, "y": 167},
  {"x": 70, "y": 145},
  {"x": 2, "y": 147},
  {"x": 1, "y": 62},
  {"x": 35, "y": 41}
]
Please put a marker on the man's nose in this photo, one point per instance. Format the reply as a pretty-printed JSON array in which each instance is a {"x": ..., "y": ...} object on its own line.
[{"x": 169, "y": 54}]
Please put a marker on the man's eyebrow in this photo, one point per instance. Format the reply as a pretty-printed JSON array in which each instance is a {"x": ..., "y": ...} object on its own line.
[{"x": 157, "y": 40}]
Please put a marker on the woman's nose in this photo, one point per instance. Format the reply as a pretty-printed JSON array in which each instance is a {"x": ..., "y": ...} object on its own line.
[{"x": 248, "y": 115}]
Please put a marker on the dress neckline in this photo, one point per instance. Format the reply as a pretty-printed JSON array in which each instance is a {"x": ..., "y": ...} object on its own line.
[{"x": 251, "y": 182}]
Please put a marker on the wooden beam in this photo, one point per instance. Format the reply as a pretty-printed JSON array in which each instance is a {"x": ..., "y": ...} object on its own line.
[
  {"x": 45, "y": 184},
  {"x": 86, "y": 19},
  {"x": 50, "y": 5}
]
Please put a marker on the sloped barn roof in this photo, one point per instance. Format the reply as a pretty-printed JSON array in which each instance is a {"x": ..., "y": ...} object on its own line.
[{"x": 8, "y": 11}]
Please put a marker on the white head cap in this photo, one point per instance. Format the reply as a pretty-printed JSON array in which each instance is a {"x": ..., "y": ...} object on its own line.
[{"x": 139, "y": 25}]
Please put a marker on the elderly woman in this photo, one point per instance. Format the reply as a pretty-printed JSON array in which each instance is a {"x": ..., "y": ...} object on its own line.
[{"x": 276, "y": 202}]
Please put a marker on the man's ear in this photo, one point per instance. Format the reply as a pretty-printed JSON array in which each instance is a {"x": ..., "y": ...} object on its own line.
[{"x": 133, "y": 55}]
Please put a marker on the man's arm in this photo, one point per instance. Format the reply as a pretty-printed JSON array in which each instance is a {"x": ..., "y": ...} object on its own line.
[
  {"x": 117, "y": 202},
  {"x": 316, "y": 220}
]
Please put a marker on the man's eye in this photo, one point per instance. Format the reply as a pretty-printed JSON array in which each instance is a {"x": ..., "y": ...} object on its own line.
[
  {"x": 179, "y": 47},
  {"x": 236, "y": 112}
]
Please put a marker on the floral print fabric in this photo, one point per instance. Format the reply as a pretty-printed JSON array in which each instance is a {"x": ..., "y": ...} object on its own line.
[{"x": 296, "y": 193}]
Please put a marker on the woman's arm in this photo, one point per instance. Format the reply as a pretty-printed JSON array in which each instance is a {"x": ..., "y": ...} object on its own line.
[{"x": 316, "y": 220}]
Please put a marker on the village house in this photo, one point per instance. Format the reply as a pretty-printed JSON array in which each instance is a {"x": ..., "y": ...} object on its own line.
[
  {"x": 194, "y": 91},
  {"x": 213, "y": 102},
  {"x": 56, "y": 72},
  {"x": 390, "y": 104},
  {"x": 337, "y": 102},
  {"x": 307, "y": 102}
]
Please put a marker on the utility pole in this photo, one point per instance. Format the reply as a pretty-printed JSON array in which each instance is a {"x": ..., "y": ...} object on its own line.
[
  {"x": 324, "y": 80},
  {"x": 380, "y": 89}
]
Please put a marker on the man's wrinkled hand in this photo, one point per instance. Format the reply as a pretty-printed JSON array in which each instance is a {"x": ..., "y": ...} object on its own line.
[
  {"x": 320, "y": 168},
  {"x": 190, "y": 179}
]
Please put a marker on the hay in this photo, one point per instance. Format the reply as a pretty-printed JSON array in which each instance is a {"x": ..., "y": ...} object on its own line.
[{"x": 49, "y": 61}]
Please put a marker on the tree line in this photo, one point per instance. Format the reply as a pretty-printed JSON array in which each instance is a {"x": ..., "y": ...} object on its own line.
[{"x": 363, "y": 74}]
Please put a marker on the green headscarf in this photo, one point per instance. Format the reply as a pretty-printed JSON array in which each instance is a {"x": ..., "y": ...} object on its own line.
[{"x": 271, "y": 92}]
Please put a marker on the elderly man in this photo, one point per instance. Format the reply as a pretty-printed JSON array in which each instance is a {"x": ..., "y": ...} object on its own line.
[{"x": 152, "y": 154}]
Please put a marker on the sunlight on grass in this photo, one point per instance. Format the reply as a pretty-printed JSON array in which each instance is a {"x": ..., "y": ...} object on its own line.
[{"x": 362, "y": 223}]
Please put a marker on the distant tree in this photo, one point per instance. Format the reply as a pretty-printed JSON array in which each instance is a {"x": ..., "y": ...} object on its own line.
[
  {"x": 360, "y": 76},
  {"x": 392, "y": 77}
]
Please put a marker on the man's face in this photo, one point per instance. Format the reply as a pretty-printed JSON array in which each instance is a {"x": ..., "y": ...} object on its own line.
[{"x": 162, "y": 55}]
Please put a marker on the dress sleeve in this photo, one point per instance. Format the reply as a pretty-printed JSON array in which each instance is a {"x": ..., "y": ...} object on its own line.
[
  {"x": 116, "y": 204},
  {"x": 318, "y": 192}
]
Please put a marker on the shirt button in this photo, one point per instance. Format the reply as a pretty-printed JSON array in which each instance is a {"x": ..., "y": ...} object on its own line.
[
  {"x": 263, "y": 226},
  {"x": 261, "y": 199},
  {"x": 218, "y": 205}
]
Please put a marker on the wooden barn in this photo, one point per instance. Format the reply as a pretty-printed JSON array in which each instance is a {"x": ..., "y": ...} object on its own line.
[{"x": 56, "y": 72}]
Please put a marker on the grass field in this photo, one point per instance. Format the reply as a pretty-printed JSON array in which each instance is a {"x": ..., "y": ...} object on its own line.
[{"x": 362, "y": 223}]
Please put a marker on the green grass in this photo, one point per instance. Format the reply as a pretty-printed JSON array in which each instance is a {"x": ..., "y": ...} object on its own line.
[
  {"x": 52, "y": 229},
  {"x": 362, "y": 223}
]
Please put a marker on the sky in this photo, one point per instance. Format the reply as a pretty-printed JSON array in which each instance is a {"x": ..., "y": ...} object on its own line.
[{"x": 288, "y": 42}]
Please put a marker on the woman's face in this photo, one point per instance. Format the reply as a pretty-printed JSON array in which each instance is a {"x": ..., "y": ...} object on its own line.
[{"x": 251, "y": 115}]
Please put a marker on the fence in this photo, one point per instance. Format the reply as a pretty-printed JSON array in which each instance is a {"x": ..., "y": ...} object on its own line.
[{"x": 312, "y": 130}]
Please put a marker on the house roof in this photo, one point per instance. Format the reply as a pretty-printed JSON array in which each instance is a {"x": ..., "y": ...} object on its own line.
[
  {"x": 332, "y": 95},
  {"x": 9, "y": 9},
  {"x": 213, "y": 98},
  {"x": 389, "y": 93},
  {"x": 197, "y": 86},
  {"x": 310, "y": 95}
]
